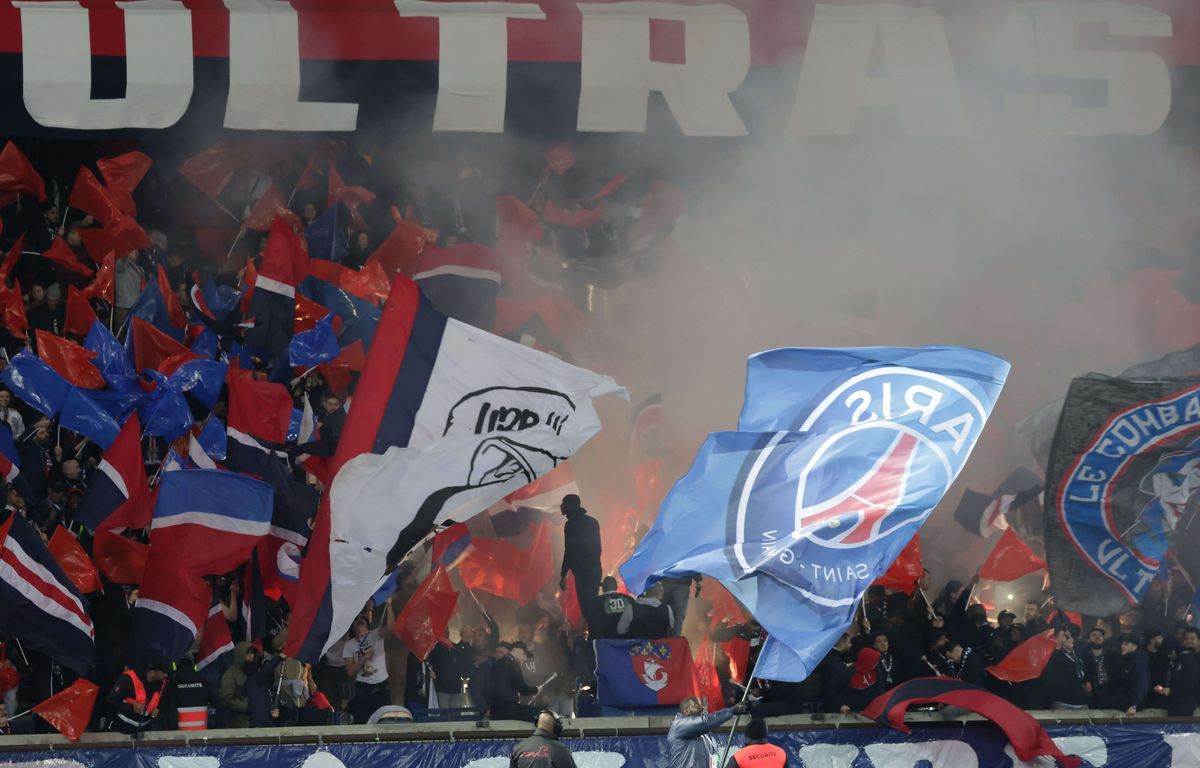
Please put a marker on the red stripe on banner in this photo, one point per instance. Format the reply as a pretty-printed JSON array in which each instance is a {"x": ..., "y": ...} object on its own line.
[
  {"x": 358, "y": 436},
  {"x": 373, "y": 30},
  {"x": 50, "y": 590}
]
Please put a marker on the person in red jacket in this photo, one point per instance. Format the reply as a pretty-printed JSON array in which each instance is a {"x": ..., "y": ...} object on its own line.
[{"x": 758, "y": 753}]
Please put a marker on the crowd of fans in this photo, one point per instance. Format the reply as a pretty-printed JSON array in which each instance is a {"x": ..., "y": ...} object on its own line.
[{"x": 1124, "y": 663}]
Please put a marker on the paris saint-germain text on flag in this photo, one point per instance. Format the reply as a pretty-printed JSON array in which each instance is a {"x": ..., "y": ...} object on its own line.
[{"x": 842, "y": 454}]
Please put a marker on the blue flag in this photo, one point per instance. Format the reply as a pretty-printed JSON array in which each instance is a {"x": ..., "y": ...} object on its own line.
[
  {"x": 206, "y": 345},
  {"x": 359, "y": 317},
  {"x": 843, "y": 454},
  {"x": 213, "y": 439},
  {"x": 203, "y": 378},
  {"x": 165, "y": 413},
  {"x": 151, "y": 307},
  {"x": 41, "y": 387},
  {"x": 81, "y": 414},
  {"x": 111, "y": 358},
  {"x": 326, "y": 240},
  {"x": 318, "y": 345}
]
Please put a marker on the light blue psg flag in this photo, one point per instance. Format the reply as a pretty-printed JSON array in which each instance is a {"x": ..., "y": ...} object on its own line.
[{"x": 841, "y": 454}]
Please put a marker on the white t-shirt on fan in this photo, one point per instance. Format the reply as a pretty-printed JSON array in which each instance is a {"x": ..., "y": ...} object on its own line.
[{"x": 375, "y": 670}]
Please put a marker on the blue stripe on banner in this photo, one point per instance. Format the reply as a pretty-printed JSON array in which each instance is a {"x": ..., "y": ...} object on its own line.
[
  {"x": 156, "y": 636},
  {"x": 314, "y": 641},
  {"x": 216, "y": 492},
  {"x": 409, "y": 390},
  {"x": 103, "y": 497}
]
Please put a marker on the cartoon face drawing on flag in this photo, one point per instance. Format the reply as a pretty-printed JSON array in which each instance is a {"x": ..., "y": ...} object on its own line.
[{"x": 1172, "y": 483}]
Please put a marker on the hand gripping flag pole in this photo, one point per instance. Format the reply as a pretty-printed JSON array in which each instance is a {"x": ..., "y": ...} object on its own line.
[{"x": 737, "y": 717}]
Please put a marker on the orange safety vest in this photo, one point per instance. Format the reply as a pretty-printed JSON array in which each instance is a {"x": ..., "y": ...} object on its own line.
[
  {"x": 760, "y": 756},
  {"x": 193, "y": 718},
  {"x": 139, "y": 693}
]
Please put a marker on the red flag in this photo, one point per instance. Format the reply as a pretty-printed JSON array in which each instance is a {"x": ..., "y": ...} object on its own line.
[
  {"x": 74, "y": 561},
  {"x": 579, "y": 218},
  {"x": 249, "y": 278},
  {"x": 11, "y": 259},
  {"x": 120, "y": 495},
  {"x": 1010, "y": 559},
  {"x": 500, "y": 568},
  {"x": 612, "y": 186},
  {"x": 70, "y": 710},
  {"x": 562, "y": 319},
  {"x": 80, "y": 314},
  {"x": 906, "y": 570},
  {"x": 127, "y": 235},
  {"x": 351, "y": 197},
  {"x": 259, "y": 408},
  {"x": 724, "y": 606},
  {"x": 269, "y": 207},
  {"x": 61, "y": 254},
  {"x": 213, "y": 168},
  {"x": 171, "y": 300},
  {"x": 352, "y": 357},
  {"x": 122, "y": 560},
  {"x": 1027, "y": 660},
  {"x": 370, "y": 282},
  {"x": 102, "y": 286},
  {"x": 1059, "y": 617},
  {"x": 124, "y": 171},
  {"x": 1028, "y": 738},
  {"x": 151, "y": 347},
  {"x": 568, "y": 603},
  {"x": 329, "y": 271},
  {"x": 400, "y": 253},
  {"x": 88, "y": 195},
  {"x": 337, "y": 379},
  {"x": 320, "y": 158},
  {"x": 284, "y": 261},
  {"x": 71, "y": 361},
  {"x": 708, "y": 682},
  {"x": 560, "y": 158},
  {"x": 737, "y": 651},
  {"x": 309, "y": 312},
  {"x": 12, "y": 311},
  {"x": 18, "y": 177},
  {"x": 516, "y": 219},
  {"x": 424, "y": 619},
  {"x": 98, "y": 243}
]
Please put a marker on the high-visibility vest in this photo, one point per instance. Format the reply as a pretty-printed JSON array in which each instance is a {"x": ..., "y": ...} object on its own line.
[
  {"x": 139, "y": 693},
  {"x": 760, "y": 756},
  {"x": 193, "y": 718}
]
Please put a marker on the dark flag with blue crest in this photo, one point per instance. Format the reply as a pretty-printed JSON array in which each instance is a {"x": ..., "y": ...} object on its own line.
[
  {"x": 841, "y": 455},
  {"x": 1122, "y": 488}
]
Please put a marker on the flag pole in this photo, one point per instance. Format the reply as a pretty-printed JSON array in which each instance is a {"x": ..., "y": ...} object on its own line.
[
  {"x": 21, "y": 648},
  {"x": 738, "y": 717},
  {"x": 26, "y": 712}
]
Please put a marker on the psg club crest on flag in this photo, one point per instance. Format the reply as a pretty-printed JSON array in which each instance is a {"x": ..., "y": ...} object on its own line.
[
  {"x": 1124, "y": 478},
  {"x": 839, "y": 457},
  {"x": 891, "y": 442}
]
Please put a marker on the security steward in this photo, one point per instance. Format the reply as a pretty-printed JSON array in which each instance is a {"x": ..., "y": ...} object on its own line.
[
  {"x": 136, "y": 697},
  {"x": 758, "y": 753},
  {"x": 543, "y": 749},
  {"x": 188, "y": 698}
]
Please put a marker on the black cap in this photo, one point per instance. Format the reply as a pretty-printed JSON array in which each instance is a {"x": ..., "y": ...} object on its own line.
[
  {"x": 571, "y": 502},
  {"x": 756, "y": 729}
]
